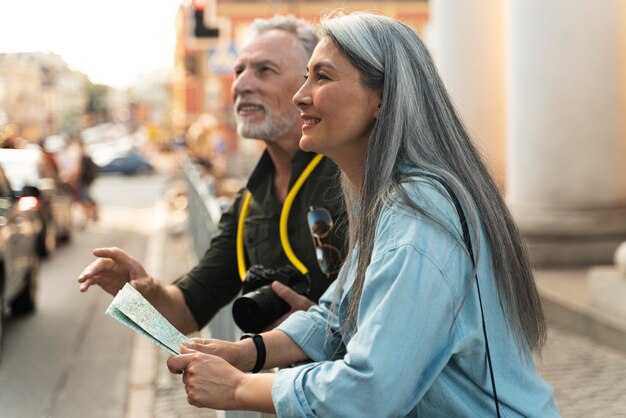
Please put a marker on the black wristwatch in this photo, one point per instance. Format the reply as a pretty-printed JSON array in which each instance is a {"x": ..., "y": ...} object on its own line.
[{"x": 260, "y": 351}]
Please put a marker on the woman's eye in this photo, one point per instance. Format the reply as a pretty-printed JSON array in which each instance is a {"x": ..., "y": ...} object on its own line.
[{"x": 316, "y": 77}]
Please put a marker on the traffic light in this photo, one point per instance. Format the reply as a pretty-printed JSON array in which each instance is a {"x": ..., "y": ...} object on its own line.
[{"x": 199, "y": 28}]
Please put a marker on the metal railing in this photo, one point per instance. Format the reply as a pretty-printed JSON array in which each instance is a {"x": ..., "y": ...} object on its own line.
[{"x": 204, "y": 213}]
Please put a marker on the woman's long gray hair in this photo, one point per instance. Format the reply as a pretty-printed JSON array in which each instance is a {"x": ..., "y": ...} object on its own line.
[{"x": 418, "y": 127}]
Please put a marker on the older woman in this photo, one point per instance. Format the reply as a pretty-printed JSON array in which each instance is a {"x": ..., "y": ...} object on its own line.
[{"x": 436, "y": 312}]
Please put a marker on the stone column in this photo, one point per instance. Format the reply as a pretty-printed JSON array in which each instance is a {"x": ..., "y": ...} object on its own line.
[
  {"x": 467, "y": 41},
  {"x": 566, "y": 157}
]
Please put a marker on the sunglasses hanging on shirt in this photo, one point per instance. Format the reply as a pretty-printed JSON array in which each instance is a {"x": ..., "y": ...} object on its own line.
[{"x": 320, "y": 224}]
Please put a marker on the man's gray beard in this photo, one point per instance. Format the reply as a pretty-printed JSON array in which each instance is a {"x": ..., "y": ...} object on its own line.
[{"x": 269, "y": 130}]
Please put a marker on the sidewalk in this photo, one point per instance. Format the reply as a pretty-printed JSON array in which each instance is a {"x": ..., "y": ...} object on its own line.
[
  {"x": 589, "y": 379},
  {"x": 153, "y": 391}
]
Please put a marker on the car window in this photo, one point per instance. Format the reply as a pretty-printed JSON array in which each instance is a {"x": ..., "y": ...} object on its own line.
[{"x": 21, "y": 173}]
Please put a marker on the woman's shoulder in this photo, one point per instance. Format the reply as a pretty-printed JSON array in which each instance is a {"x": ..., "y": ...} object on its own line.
[
  {"x": 421, "y": 196},
  {"x": 420, "y": 214}
]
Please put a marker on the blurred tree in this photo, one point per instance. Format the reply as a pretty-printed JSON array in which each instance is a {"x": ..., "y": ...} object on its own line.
[{"x": 97, "y": 102}]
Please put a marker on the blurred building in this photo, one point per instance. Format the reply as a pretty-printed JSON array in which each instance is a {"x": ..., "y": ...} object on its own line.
[
  {"x": 39, "y": 94},
  {"x": 149, "y": 104}
]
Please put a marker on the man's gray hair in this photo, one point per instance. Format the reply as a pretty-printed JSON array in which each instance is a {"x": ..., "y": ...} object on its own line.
[{"x": 291, "y": 24}]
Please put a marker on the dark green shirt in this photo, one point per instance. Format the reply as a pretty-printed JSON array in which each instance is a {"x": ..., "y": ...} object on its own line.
[{"x": 215, "y": 281}]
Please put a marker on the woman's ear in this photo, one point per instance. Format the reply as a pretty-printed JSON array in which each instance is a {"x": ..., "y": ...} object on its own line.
[{"x": 379, "y": 100}]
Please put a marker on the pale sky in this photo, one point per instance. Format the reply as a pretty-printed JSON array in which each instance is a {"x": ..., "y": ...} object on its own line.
[{"x": 112, "y": 41}]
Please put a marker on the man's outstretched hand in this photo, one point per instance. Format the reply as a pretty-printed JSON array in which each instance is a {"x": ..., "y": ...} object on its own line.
[{"x": 112, "y": 270}]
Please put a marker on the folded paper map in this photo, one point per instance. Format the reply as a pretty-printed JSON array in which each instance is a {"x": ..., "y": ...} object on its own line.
[{"x": 133, "y": 310}]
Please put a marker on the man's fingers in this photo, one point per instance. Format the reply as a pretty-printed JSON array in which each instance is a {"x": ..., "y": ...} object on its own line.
[
  {"x": 85, "y": 284},
  {"x": 114, "y": 254},
  {"x": 294, "y": 299},
  {"x": 285, "y": 292},
  {"x": 89, "y": 274}
]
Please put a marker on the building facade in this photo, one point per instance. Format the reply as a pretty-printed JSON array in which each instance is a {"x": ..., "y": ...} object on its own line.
[{"x": 40, "y": 95}]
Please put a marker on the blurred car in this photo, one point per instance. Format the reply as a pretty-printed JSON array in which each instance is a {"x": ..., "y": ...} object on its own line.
[
  {"x": 18, "y": 256},
  {"x": 32, "y": 167},
  {"x": 131, "y": 163}
]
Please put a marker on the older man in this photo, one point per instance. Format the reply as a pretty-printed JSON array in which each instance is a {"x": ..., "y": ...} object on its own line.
[{"x": 268, "y": 72}]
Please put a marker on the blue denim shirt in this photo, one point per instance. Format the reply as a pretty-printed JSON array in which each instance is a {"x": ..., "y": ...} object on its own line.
[{"x": 410, "y": 356}]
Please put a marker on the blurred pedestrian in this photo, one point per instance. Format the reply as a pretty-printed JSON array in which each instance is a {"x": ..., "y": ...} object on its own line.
[
  {"x": 49, "y": 156},
  {"x": 86, "y": 174}
]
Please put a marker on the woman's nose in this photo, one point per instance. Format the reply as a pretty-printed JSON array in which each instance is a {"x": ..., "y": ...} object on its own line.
[{"x": 302, "y": 98}]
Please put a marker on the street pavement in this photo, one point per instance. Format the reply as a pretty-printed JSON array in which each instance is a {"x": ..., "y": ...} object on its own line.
[{"x": 589, "y": 379}]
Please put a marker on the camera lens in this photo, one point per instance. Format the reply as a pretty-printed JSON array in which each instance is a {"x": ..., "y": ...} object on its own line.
[{"x": 256, "y": 310}]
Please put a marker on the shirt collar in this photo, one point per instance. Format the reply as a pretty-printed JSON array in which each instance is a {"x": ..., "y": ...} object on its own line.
[{"x": 265, "y": 169}]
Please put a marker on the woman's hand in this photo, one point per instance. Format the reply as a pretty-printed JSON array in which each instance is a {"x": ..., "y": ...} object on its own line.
[
  {"x": 240, "y": 355},
  {"x": 210, "y": 381},
  {"x": 213, "y": 371}
]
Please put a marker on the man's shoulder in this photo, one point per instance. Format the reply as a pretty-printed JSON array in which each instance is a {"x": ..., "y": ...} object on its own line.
[
  {"x": 327, "y": 171},
  {"x": 325, "y": 185},
  {"x": 329, "y": 165}
]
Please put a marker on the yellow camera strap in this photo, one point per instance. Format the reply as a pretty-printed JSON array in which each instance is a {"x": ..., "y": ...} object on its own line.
[
  {"x": 241, "y": 258},
  {"x": 284, "y": 218}
]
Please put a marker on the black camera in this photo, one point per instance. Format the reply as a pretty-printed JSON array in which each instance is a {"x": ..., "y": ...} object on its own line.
[{"x": 259, "y": 306}]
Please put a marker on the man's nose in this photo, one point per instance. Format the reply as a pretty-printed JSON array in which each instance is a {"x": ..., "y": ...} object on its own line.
[{"x": 244, "y": 83}]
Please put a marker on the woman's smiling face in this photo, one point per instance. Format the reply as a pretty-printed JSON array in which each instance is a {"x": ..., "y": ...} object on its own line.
[{"x": 338, "y": 111}]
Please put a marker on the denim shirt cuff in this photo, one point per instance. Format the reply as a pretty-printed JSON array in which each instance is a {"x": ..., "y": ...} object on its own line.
[{"x": 288, "y": 393}]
